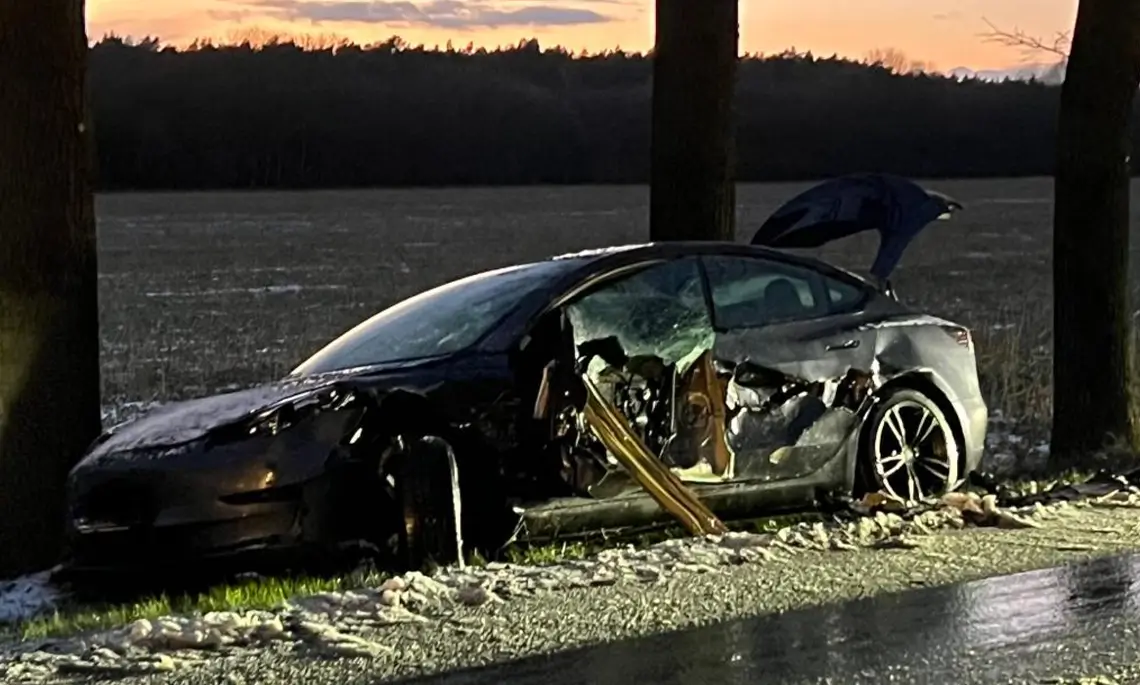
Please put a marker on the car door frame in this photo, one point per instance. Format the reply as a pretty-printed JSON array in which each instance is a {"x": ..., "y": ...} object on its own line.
[{"x": 835, "y": 342}]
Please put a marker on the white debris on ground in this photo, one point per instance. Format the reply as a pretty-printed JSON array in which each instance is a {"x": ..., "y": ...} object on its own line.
[
  {"x": 347, "y": 623},
  {"x": 27, "y": 597}
]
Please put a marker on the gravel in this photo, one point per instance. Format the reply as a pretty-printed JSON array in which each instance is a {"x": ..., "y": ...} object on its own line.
[{"x": 416, "y": 625}]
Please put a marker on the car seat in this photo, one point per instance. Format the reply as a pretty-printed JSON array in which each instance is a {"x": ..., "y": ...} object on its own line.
[{"x": 782, "y": 300}]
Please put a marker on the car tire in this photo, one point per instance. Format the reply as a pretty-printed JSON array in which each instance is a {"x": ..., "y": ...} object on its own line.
[
  {"x": 908, "y": 448},
  {"x": 427, "y": 489}
]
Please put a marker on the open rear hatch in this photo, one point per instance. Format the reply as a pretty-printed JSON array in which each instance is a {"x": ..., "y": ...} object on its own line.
[{"x": 896, "y": 207}]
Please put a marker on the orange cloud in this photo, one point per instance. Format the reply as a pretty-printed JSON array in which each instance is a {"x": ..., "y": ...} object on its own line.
[{"x": 444, "y": 14}]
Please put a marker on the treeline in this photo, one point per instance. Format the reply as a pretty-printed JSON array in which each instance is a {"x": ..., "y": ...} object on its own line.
[{"x": 293, "y": 115}]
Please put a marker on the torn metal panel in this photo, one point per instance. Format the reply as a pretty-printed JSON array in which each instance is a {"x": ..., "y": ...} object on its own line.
[
  {"x": 814, "y": 447},
  {"x": 784, "y": 430},
  {"x": 664, "y": 486},
  {"x": 542, "y": 397},
  {"x": 699, "y": 445},
  {"x": 783, "y": 381},
  {"x": 181, "y": 423},
  {"x": 940, "y": 354},
  {"x": 763, "y": 404}
]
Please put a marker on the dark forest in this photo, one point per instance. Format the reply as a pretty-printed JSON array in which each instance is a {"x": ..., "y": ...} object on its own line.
[{"x": 289, "y": 115}]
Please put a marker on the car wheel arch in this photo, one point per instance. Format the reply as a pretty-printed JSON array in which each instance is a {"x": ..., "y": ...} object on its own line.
[
  {"x": 405, "y": 411},
  {"x": 919, "y": 380},
  {"x": 406, "y": 421}
]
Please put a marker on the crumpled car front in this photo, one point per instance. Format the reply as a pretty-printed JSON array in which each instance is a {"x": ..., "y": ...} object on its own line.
[{"x": 173, "y": 486}]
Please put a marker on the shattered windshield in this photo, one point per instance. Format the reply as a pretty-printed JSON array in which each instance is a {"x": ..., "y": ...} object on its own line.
[{"x": 443, "y": 320}]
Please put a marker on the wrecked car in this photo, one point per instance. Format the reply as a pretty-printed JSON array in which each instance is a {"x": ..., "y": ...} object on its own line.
[{"x": 622, "y": 387}]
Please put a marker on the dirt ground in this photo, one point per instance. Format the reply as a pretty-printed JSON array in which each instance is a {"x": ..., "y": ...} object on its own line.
[{"x": 200, "y": 292}]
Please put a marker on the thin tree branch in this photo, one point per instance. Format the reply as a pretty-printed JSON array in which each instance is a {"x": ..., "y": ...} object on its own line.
[{"x": 1029, "y": 45}]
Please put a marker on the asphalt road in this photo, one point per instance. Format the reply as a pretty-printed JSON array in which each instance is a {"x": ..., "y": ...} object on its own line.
[{"x": 1041, "y": 626}]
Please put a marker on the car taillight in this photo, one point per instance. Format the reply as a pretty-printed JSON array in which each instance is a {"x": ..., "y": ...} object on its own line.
[{"x": 962, "y": 337}]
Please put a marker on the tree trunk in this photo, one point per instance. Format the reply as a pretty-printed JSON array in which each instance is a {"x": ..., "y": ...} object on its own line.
[
  {"x": 1091, "y": 320},
  {"x": 692, "y": 191},
  {"x": 49, "y": 321}
]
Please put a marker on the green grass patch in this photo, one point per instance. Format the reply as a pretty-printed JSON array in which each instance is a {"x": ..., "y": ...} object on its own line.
[
  {"x": 554, "y": 552},
  {"x": 257, "y": 593},
  {"x": 550, "y": 553}
]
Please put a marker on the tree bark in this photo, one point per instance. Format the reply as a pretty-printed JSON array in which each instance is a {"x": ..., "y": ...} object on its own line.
[
  {"x": 1091, "y": 320},
  {"x": 692, "y": 191},
  {"x": 49, "y": 322}
]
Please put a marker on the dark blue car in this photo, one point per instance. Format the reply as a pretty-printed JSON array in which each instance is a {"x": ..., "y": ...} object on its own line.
[{"x": 607, "y": 389}]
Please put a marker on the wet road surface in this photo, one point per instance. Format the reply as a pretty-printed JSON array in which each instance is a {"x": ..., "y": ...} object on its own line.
[{"x": 1080, "y": 620}]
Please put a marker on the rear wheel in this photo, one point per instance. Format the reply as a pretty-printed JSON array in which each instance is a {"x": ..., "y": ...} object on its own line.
[{"x": 909, "y": 448}]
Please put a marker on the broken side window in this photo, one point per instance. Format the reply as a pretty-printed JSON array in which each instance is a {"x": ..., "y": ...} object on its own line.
[
  {"x": 748, "y": 292},
  {"x": 657, "y": 312}
]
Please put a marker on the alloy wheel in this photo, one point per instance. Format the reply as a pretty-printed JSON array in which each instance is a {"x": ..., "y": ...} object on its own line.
[{"x": 914, "y": 451}]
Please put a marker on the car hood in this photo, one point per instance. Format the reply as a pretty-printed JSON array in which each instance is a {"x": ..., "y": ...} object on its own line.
[
  {"x": 180, "y": 423},
  {"x": 896, "y": 207}
]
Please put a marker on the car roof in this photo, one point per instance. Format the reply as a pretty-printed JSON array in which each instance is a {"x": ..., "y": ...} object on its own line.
[
  {"x": 620, "y": 254},
  {"x": 591, "y": 263}
]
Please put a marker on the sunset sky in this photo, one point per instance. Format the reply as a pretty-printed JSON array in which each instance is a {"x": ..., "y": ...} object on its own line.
[{"x": 942, "y": 32}]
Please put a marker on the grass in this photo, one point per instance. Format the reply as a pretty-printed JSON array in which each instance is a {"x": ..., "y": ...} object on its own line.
[
  {"x": 1014, "y": 355},
  {"x": 1015, "y": 371},
  {"x": 250, "y": 594},
  {"x": 589, "y": 545},
  {"x": 1015, "y": 359},
  {"x": 552, "y": 553}
]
